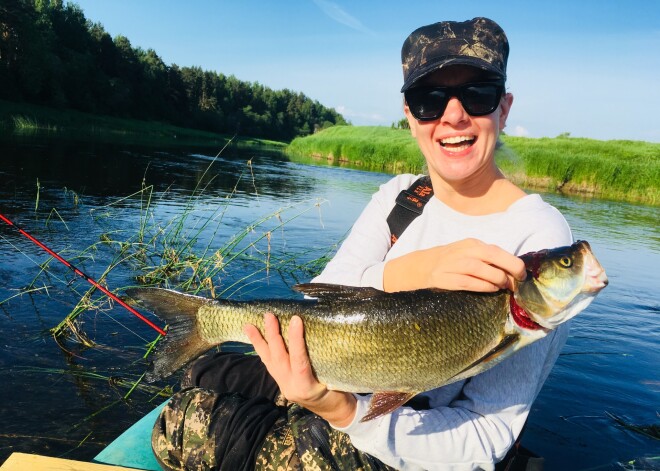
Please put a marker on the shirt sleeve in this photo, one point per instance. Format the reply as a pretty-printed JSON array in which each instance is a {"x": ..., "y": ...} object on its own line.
[
  {"x": 476, "y": 428},
  {"x": 360, "y": 259}
]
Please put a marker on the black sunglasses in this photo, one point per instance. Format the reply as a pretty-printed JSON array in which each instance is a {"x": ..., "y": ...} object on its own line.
[{"x": 478, "y": 99}]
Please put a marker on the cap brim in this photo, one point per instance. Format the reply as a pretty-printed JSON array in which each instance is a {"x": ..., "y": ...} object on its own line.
[{"x": 446, "y": 62}]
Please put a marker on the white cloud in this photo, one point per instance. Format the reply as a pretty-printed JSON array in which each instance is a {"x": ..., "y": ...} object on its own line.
[
  {"x": 519, "y": 131},
  {"x": 338, "y": 14}
]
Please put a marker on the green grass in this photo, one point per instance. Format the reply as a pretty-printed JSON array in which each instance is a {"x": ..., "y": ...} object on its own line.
[
  {"x": 618, "y": 170},
  {"x": 370, "y": 147},
  {"x": 26, "y": 119}
]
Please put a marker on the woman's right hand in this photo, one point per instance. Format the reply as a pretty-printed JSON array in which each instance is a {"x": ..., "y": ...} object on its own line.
[{"x": 468, "y": 264}]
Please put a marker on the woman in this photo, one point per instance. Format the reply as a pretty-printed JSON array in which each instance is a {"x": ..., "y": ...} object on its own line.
[{"x": 466, "y": 238}]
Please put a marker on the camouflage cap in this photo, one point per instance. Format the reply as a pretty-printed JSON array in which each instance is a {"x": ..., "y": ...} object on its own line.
[{"x": 479, "y": 42}]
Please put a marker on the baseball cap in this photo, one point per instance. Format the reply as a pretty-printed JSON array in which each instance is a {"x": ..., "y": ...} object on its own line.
[{"x": 479, "y": 42}]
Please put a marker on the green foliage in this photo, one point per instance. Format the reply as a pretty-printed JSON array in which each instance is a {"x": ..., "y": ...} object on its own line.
[
  {"x": 401, "y": 124},
  {"x": 618, "y": 169},
  {"x": 622, "y": 170},
  {"x": 50, "y": 54},
  {"x": 26, "y": 119},
  {"x": 372, "y": 147}
]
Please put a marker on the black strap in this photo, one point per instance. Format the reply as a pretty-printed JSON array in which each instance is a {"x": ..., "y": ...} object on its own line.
[{"x": 409, "y": 204}]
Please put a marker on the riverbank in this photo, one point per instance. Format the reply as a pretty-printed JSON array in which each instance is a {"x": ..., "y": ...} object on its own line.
[
  {"x": 617, "y": 170},
  {"x": 25, "y": 119}
]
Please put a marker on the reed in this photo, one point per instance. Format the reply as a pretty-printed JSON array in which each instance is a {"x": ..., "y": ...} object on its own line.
[
  {"x": 619, "y": 170},
  {"x": 369, "y": 147},
  {"x": 182, "y": 253}
]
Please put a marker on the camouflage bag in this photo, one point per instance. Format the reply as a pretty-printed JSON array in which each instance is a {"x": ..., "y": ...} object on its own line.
[
  {"x": 200, "y": 430},
  {"x": 306, "y": 442}
]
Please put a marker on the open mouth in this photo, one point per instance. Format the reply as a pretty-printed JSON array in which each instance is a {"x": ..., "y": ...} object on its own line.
[{"x": 457, "y": 143}]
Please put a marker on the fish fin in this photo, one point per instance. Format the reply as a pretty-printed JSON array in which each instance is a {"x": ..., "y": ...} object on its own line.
[
  {"x": 384, "y": 402},
  {"x": 183, "y": 341},
  {"x": 501, "y": 351},
  {"x": 337, "y": 293}
]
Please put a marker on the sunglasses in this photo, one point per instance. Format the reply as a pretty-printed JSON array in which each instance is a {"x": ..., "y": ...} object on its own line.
[{"x": 478, "y": 99}]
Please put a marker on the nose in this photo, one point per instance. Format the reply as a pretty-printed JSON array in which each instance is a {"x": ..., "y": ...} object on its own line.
[{"x": 454, "y": 113}]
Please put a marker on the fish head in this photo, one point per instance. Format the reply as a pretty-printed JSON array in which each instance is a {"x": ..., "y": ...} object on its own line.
[{"x": 560, "y": 283}]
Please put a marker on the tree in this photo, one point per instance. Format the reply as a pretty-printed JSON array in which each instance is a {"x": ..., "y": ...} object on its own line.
[{"x": 51, "y": 54}]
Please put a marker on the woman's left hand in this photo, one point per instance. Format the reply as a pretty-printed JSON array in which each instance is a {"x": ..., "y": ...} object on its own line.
[{"x": 292, "y": 371}]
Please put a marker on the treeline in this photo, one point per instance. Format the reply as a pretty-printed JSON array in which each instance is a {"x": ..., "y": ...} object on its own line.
[{"x": 50, "y": 54}]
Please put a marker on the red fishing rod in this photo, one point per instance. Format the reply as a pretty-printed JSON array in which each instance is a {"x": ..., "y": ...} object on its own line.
[{"x": 84, "y": 276}]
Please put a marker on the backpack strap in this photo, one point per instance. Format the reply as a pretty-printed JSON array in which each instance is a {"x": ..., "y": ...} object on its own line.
[{"x": 409, "y": 204}]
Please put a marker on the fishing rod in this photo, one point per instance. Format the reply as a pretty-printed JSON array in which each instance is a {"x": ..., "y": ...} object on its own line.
[{"x": 84, "y": 276}]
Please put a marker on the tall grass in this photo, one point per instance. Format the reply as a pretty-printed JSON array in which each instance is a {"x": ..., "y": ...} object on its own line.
[
  {"x": 168, "y": 253},
  {"x": 26, "y": 124},
  {"x": 620, "y": 170},
  {"x": 370, "y": 147}
]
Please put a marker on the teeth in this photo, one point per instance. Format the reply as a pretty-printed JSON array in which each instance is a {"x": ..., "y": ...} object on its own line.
[{"x": 456, "y": 139}]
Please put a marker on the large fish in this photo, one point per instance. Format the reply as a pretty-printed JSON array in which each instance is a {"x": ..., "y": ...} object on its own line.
[{"x": 393, "y": 344}]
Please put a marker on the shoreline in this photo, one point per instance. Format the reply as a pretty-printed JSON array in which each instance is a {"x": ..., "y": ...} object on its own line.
[
  {"x": 623, "y": 171},
  {"x": 617, "y": 170}
]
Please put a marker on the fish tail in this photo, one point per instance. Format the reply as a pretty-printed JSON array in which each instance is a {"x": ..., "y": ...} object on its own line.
[{"x": 183, "y": 342}]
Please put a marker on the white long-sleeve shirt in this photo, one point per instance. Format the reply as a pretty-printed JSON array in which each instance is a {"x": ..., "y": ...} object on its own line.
[{"x": 471, "y": 423}]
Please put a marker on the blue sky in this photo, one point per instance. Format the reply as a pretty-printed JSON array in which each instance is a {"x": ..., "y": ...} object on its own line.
[{"x": 587, "y": 67}]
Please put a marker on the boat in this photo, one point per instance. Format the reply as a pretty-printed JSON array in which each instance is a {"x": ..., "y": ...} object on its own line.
[{"x": 132, "y": 449}]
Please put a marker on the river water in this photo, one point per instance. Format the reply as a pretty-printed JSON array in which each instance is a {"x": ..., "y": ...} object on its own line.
[{"x": 270, "y": 219}]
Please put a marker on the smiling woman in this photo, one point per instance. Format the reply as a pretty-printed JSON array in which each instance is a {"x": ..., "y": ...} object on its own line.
[{"x": 466, "y": 238}]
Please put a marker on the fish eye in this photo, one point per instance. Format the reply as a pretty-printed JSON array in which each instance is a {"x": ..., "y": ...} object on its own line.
[{"x": 565, "y": 262}]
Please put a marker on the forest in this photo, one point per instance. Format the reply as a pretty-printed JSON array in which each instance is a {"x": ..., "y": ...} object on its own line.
[{"x": 52, "y": 55}]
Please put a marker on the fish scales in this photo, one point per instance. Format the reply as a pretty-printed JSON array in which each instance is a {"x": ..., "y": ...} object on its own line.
[{"x": 387, "y": 343}]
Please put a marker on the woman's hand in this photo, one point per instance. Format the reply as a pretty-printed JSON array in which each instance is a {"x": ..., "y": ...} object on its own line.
[
  {"x": 293, "y": 373},
  {"x": 468, "y": 264}
]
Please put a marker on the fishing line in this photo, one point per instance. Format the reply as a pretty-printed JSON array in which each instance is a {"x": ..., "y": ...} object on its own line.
[
  {"x": 84, "y": 276},
  {"x": 64, "y": 282}
]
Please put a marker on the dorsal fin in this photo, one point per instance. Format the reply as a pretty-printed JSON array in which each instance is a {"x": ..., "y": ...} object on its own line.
[{"x": 329, "y": 293}]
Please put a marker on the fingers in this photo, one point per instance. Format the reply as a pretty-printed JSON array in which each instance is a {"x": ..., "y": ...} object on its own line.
[
  {"x": 505, "y": 261},
  {"x": 298, "y": 349},
  {"x": 473, "y": 265},
  {"x": 278, "y": 352},
  {"x": 260, "y": 345},
  {"x": 290, "y": 368}
]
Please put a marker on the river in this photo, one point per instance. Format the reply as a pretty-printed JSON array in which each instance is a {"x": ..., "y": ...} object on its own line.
[{"x": 269, "y": 220}]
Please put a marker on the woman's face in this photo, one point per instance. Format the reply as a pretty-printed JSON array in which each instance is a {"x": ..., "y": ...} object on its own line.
[{"x": 460, "y": 148}]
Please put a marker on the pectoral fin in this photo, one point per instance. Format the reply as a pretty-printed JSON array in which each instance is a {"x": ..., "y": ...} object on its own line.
[
  {"x": 494, "y": 356},
  {"x": 385, "y": 402}
]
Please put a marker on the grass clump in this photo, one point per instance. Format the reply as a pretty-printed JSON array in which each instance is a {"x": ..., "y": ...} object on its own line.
[
  {"x": 182, "y": 253},
  {"x": 619, "y": 170},
  {"x": 369, "y": 147}
]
